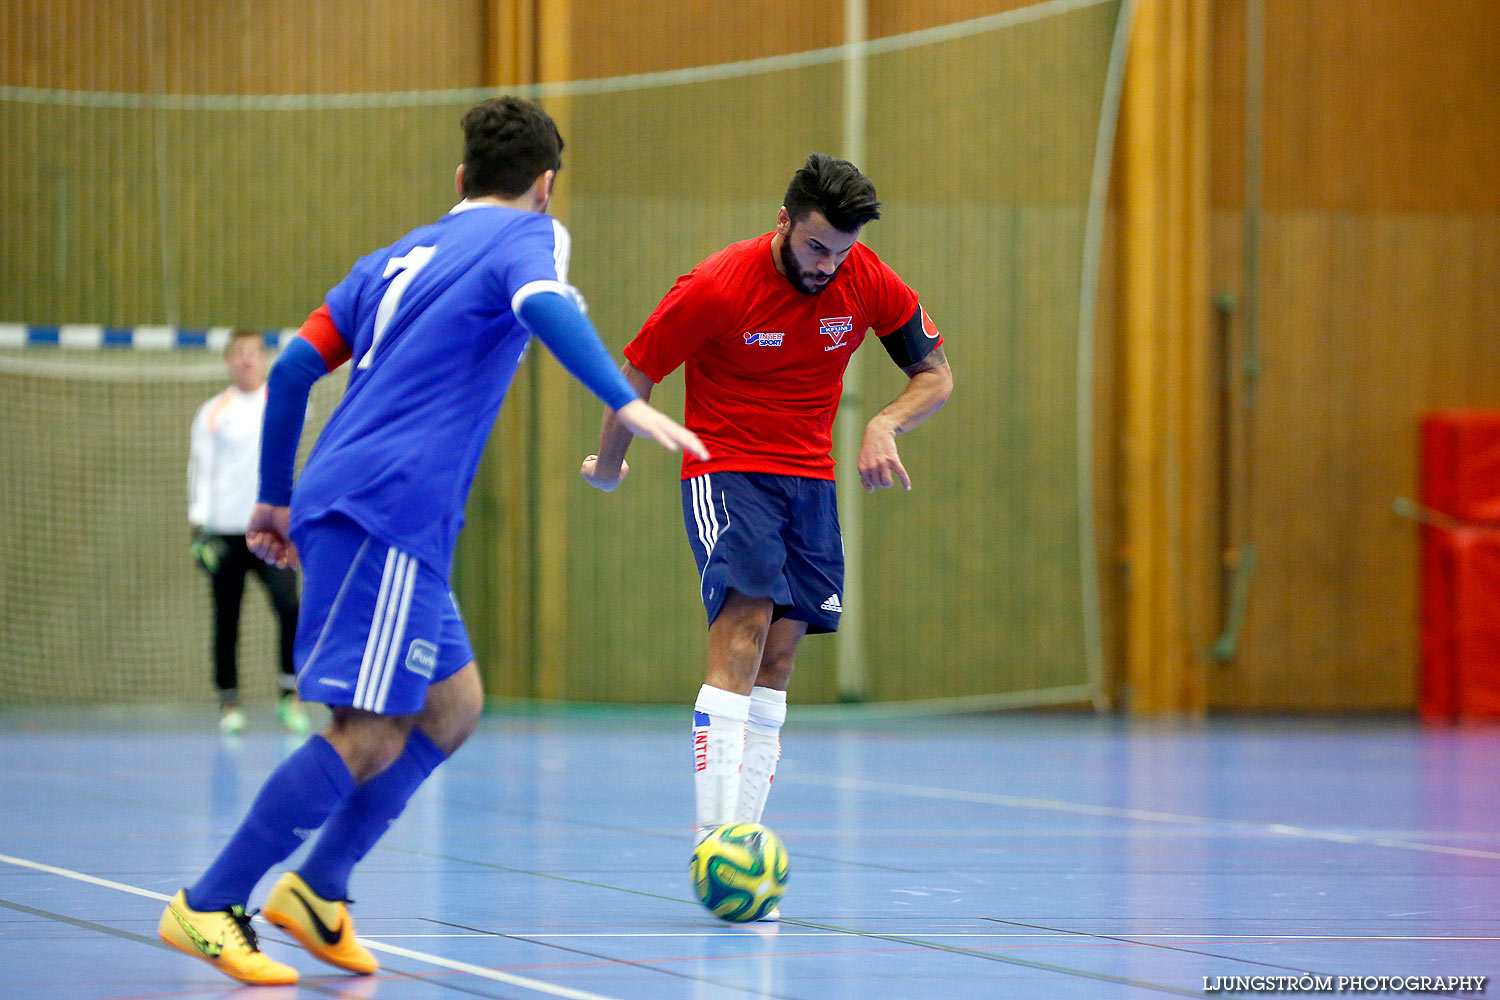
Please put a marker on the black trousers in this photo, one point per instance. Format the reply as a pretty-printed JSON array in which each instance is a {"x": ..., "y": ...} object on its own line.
[{"x": 228, "y": 591}]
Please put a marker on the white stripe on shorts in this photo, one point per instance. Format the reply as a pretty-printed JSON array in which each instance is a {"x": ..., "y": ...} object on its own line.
[
  {"x": 703, "y": 513},
  {"x": 386, "y": 629},
  {"x": 707, "y": 519},
  {"x": 392, "y": 661},
  {"x": 375, "y": 622}
]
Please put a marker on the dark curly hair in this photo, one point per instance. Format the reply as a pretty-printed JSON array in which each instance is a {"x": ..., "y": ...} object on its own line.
[
  {"x": 508, "y": 144},
  {"x": 834, "y": 187}
]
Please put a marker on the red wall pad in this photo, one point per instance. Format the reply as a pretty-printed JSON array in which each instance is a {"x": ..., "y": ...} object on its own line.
[
  {"x": 1460, "y": 598},
  {"x": 1461, "y": 624},
  {"x": 1461, "y": 464}
]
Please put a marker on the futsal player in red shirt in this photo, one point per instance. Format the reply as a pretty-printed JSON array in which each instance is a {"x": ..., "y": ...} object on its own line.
[{"x": 765, "y": 329}]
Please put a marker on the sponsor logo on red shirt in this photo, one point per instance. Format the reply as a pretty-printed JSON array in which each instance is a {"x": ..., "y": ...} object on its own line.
[
  {"x": 764, "y": 339},
  {"x": 835, "y": 327}
]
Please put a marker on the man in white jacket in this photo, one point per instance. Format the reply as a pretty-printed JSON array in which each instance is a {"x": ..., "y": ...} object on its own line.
[{"x": 222, "y": 478}]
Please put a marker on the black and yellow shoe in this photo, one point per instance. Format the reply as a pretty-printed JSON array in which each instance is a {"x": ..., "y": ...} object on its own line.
[
  {"x": 223, "y": 939},
  {"x": 322, "y": 926}
]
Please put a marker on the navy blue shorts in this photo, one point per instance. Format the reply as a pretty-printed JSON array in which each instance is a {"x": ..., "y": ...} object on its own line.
[
  {"x": 770, "y": 536},
  {"x": 376, "y": 627}
]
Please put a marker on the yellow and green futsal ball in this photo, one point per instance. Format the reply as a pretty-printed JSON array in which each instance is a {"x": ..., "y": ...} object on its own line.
[{"x": 740, "y": 871}]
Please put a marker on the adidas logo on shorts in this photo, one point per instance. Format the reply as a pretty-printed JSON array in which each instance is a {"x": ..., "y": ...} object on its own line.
[{"x": 832, "y": 604}]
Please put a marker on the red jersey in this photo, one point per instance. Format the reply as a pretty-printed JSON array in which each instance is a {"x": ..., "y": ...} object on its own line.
[{"x": 765, "y": 362}]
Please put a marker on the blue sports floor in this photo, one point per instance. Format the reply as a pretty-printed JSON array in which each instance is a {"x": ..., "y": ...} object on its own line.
[{"x": 1029, "y": 855}]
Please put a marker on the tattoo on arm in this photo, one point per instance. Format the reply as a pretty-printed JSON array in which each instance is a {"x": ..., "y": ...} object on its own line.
[{"x": 934, "y": 359}]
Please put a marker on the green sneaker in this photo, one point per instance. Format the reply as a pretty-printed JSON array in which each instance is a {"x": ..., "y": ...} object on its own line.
[{"x": 289, "y": 710}]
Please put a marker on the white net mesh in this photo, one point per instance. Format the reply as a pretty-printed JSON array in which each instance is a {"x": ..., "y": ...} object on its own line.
[
  {"x": 102, "y": 600},
  {"x": 192, "y": 210}
]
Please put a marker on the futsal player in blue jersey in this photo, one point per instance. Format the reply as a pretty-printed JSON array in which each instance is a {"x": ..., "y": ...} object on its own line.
[{"x": 435, "y": 325}]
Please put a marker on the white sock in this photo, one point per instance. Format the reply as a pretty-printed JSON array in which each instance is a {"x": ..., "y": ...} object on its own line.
[
  {"x": 718, "y": 749},
  {"x": 762, "y": 751}
]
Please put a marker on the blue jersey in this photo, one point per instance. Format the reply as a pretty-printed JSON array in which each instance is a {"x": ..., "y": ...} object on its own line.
[{"x": 431, "y": 323}]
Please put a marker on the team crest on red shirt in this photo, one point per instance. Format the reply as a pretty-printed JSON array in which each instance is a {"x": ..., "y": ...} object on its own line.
[{"x": 835, "y": 327}]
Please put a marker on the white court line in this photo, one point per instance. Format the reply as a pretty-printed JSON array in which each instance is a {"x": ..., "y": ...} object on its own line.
[
  {"x": 485, "y": 973},
  {"x": 571, "y": 994},
  {"x": 1145, "y": 815},
  {"x": 81, "y": 877},
  {"x": 551, "y": 989},
  {"x": 927, "y": 933}
]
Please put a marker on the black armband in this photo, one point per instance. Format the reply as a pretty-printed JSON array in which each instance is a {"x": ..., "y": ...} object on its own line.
[{"x": 911, "y": 341}]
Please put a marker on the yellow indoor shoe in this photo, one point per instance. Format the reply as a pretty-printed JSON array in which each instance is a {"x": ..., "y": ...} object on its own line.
[
  {"x": 322, "y": 926},
  {"x": 223, "y": 939}
]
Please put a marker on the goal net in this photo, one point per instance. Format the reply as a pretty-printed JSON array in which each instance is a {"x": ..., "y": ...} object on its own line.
[{"x": 987, "y": 141}]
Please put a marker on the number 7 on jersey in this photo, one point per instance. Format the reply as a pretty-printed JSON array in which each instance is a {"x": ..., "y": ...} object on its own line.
[{"x": 408, "y": 265}]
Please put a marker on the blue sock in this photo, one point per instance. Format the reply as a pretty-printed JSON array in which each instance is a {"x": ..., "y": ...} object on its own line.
[
  {"x": 295, "y": 800},
  {"x": 365, "y": 816}
]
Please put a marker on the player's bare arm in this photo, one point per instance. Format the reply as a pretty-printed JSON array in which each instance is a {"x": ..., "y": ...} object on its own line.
[
  {"x": 929, "y": 383},
  {"x": 644, "y": 420},
  {"x": 607, "y": 469}
]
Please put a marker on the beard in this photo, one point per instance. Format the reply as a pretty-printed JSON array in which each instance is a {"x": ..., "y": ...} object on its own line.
[{"x": 800, "y": 279}]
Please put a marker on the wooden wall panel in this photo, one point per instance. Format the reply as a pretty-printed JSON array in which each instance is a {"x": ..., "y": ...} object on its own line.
[
  {"x": 1380, "y": 262},
  {"x": 1383, "y": 105},
  {"x": 1380, "y": 105},
  {"x": 894, "y": 17},
  {"x": 241, "y": 46},
  {"x": 1369, "y": 322},
  {"x": 1227, "y": 66},
  {"x": 619, "y": 37},
  {"x": 148, "y": 215}
]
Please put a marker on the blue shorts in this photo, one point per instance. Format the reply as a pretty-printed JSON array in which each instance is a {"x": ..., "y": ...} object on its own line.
[
  {"x": 376, "y": 626},
  {"x": 770, "y": 536}
]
